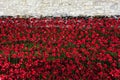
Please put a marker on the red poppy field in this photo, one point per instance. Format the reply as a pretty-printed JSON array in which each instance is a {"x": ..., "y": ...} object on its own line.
[{"x": 74, "y": 48}]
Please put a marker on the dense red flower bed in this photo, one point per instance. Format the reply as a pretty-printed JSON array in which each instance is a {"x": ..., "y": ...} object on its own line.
[{"x": 59, "y": 49}]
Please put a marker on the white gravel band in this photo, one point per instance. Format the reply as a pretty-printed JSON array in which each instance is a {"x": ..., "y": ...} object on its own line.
[{"x": 38, "y": 8}]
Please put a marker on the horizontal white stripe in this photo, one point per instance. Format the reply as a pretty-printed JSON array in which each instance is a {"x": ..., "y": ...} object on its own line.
[{"x": 59, "y": 7}]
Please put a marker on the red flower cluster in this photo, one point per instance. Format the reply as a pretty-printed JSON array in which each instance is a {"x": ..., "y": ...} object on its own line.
[{"x": 59, "y": 48}]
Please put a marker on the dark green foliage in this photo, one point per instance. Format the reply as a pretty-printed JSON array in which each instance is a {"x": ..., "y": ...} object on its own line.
[
  {"x": 40, "y": 76},
  {"x": 23, "y": 65},
  {"x": 73, "y": 71},
  {"x": 50, "y": 58},
  {"x": 13, "y": 60},
  {"x": 4, "y": 37},
  {"x": 83, "y": 46},
  {"x": 118, "y": 65},
  {"x": 1, "y": 51},
  {"x": 69, "y": 45},
  {"x": 111, "y": 53},
  {"x": 29, "y": 45},
  {"x": 54, "y": 44},
  {"x": 62, "y": 56},
  {"x": 58, "y": 29}
]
